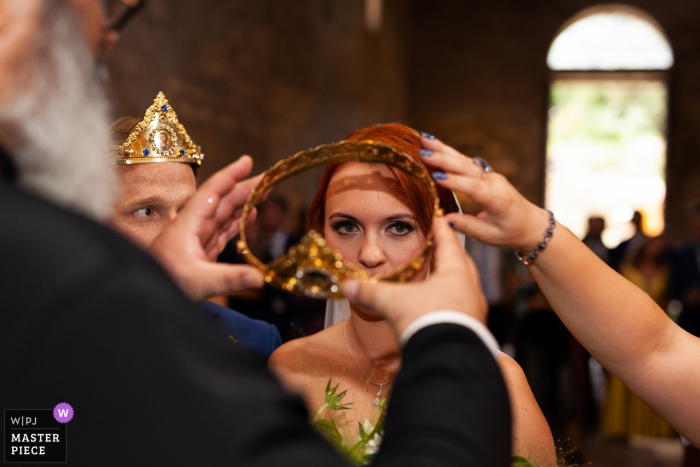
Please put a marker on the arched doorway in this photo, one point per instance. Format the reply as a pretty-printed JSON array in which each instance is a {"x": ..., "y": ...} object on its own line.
[{"x": 606, "y": 132}]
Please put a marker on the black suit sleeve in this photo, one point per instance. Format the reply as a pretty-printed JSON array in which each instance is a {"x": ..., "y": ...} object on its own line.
[
  {"x": 89, "y": 320},
  {"x": 450, "y": 404},
  {"x": 152, "y": 382}
]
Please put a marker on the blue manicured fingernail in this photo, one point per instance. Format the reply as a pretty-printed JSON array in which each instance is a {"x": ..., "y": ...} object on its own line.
[
  {"x": 425, "y": 152},
  {"x": 451, "y": 224},
  {"x": 439, "y": 175},
  {"x": 426, "y": 135}
]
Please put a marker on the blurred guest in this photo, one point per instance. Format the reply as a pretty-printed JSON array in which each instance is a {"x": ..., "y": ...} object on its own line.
[
  {"x": 593, "y": 238},
  {"x": 489, "y": 261},
  {"x": 624, "y": 414},
  {"x": 684, "y": 284},
  {"x": 269, "y": 238},
  {"x": 626, "y": 250},
  {"x": 554, "y": 364},
  {"x": 275, "y": 239}
]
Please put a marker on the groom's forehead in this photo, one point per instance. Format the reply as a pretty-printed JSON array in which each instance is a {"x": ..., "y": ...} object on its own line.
[{"x": 166, "y": 179}]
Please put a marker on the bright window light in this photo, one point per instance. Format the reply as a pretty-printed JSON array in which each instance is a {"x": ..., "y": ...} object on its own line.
[{"x": 610, "y": 41}]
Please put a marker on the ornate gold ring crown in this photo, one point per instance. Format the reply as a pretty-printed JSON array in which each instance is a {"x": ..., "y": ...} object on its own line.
[
  {"x": 159, "y": 137},
  {"x": 311, "y": 268}
]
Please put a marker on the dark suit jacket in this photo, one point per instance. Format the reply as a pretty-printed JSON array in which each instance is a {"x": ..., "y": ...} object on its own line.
[
  {"x": 259, "y": 336},
  {"x": 87, "y": 319}
]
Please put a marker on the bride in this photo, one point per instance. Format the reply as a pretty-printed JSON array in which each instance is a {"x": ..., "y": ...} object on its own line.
[{"x": 377, "y": 217}]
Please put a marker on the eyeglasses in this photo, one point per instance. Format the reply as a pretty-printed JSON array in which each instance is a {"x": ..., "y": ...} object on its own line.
[{"x": 119, "y": 12}]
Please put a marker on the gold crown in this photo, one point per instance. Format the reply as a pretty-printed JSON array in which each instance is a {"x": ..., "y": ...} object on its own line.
[
  {"x": 159, "y": 137},
  {"x": 311, "y": 268}
]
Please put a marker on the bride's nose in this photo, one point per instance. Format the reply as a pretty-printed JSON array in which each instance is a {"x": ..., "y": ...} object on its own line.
[{"x": 371, "y": 255}]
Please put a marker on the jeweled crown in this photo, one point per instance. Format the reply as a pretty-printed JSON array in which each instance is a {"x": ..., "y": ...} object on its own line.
[{"x": 159, "y": 137}]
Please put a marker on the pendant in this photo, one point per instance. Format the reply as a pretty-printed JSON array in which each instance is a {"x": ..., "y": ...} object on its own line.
[{"x": 376, "y": 399}]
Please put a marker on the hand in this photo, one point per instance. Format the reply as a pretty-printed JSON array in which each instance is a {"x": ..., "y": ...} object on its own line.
[
  {"x": 506, "y": 217},
  {"x": 454, "y": 285},
  {"x": 187, "y": 248}
]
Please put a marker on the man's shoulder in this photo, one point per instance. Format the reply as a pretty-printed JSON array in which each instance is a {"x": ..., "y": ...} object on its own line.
[
  {"x": 50, "y": 252},
  {"x": 254, "y": 334},
  {"x": 31, "y": 223}
]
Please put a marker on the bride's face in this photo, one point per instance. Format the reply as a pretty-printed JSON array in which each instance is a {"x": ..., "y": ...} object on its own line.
[{"x": 368, "y": 221}]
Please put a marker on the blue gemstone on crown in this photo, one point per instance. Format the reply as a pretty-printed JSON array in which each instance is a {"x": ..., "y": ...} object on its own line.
[
  {"x": 164, "y": 108},
  {"x": 145, "y": 152},
  {"x": 182, "y": 152}
]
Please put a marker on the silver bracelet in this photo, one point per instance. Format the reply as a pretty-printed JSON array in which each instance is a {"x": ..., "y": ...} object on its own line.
[{"x": 527, "y": 260}]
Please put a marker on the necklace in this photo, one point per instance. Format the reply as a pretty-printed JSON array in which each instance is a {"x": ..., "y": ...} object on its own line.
[{"x": 381, "y": 385}]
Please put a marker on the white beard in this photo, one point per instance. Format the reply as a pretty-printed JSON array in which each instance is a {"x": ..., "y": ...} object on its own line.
[{"x": 61, "y": 121}]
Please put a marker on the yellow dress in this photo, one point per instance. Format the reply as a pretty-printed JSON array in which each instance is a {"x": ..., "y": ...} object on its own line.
[{"x": 624, "y": 414}]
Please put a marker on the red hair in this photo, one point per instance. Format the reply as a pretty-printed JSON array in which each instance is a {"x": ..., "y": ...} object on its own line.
[{"x": 415, "y": 193}]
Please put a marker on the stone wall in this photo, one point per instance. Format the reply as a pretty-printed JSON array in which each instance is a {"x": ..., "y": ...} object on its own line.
[
  {"x": 263, "y": 77},
  {"x": 271, "y": 77},
  {"x": 478, "y": 78}
]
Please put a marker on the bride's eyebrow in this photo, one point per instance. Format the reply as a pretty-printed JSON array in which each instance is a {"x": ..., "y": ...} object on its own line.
[
  {"x": 343, "y": 215},
  {"x": 399, "y": 216}
]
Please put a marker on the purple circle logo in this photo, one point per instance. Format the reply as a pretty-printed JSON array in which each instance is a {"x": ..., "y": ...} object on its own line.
[{"x": 63, "y": 412}]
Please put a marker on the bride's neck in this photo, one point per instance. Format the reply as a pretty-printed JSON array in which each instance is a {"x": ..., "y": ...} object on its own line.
[{"x": 372, "y": 338}]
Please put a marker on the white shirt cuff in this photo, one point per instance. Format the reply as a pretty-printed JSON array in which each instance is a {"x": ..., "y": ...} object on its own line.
[{"x": 453, "y": 317}]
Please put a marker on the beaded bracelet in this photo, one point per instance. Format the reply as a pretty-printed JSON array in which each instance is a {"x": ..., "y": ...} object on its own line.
[{"x": 527, "y": 260}]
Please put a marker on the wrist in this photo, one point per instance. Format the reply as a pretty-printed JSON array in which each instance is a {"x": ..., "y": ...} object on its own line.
[
  {"x": 538, "y": 223},
  {"x": 529, "y": 257}
]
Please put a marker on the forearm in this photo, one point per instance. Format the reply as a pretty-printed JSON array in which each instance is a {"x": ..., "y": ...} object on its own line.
[
  {"x": 616, "y": 321},
  {"x": 623, "y": 329}
]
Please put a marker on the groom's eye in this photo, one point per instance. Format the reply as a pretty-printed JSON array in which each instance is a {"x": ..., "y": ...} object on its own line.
[{"x": 144, "y": 212}]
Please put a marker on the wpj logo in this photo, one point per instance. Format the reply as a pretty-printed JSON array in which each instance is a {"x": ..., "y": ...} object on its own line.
[{"x": 37, "y": 435}]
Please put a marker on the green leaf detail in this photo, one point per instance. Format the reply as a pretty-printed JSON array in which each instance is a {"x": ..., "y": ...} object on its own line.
[
  {"x": 517, "y": 461},
  {"x": 330, "y": 431}
]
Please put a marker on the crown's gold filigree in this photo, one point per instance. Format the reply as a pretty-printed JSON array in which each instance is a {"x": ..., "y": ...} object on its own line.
[
  {"x": 311, "y": 268},
  {"x": 159, "y": 137}
]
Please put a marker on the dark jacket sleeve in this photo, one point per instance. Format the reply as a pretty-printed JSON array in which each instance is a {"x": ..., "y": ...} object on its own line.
[
  {"x": 450, "y": 404},
  {"x": 89, "y": 320},
  {"x": 152, "y": 382},
  {"x": 256, "y": 335}
]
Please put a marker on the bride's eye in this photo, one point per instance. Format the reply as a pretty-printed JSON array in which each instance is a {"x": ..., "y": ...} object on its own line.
[
  {"x": 400, "y": 228},
  {"x": 345, "y": 227},
  {"x": 143, "y": 212}
]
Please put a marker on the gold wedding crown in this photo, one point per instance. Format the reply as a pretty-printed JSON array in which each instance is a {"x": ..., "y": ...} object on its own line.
[
  {"x": 159, "y": 137},
  {"x": 311, "y": 268}
]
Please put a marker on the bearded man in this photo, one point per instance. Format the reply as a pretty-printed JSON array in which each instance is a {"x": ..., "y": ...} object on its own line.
[{"x": 88, "y": 319}]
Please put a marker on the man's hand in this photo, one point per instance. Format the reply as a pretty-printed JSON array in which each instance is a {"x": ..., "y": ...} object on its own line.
[
  {"x": 187, "y": 248},
  {"x": 454, "y": 285}
]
